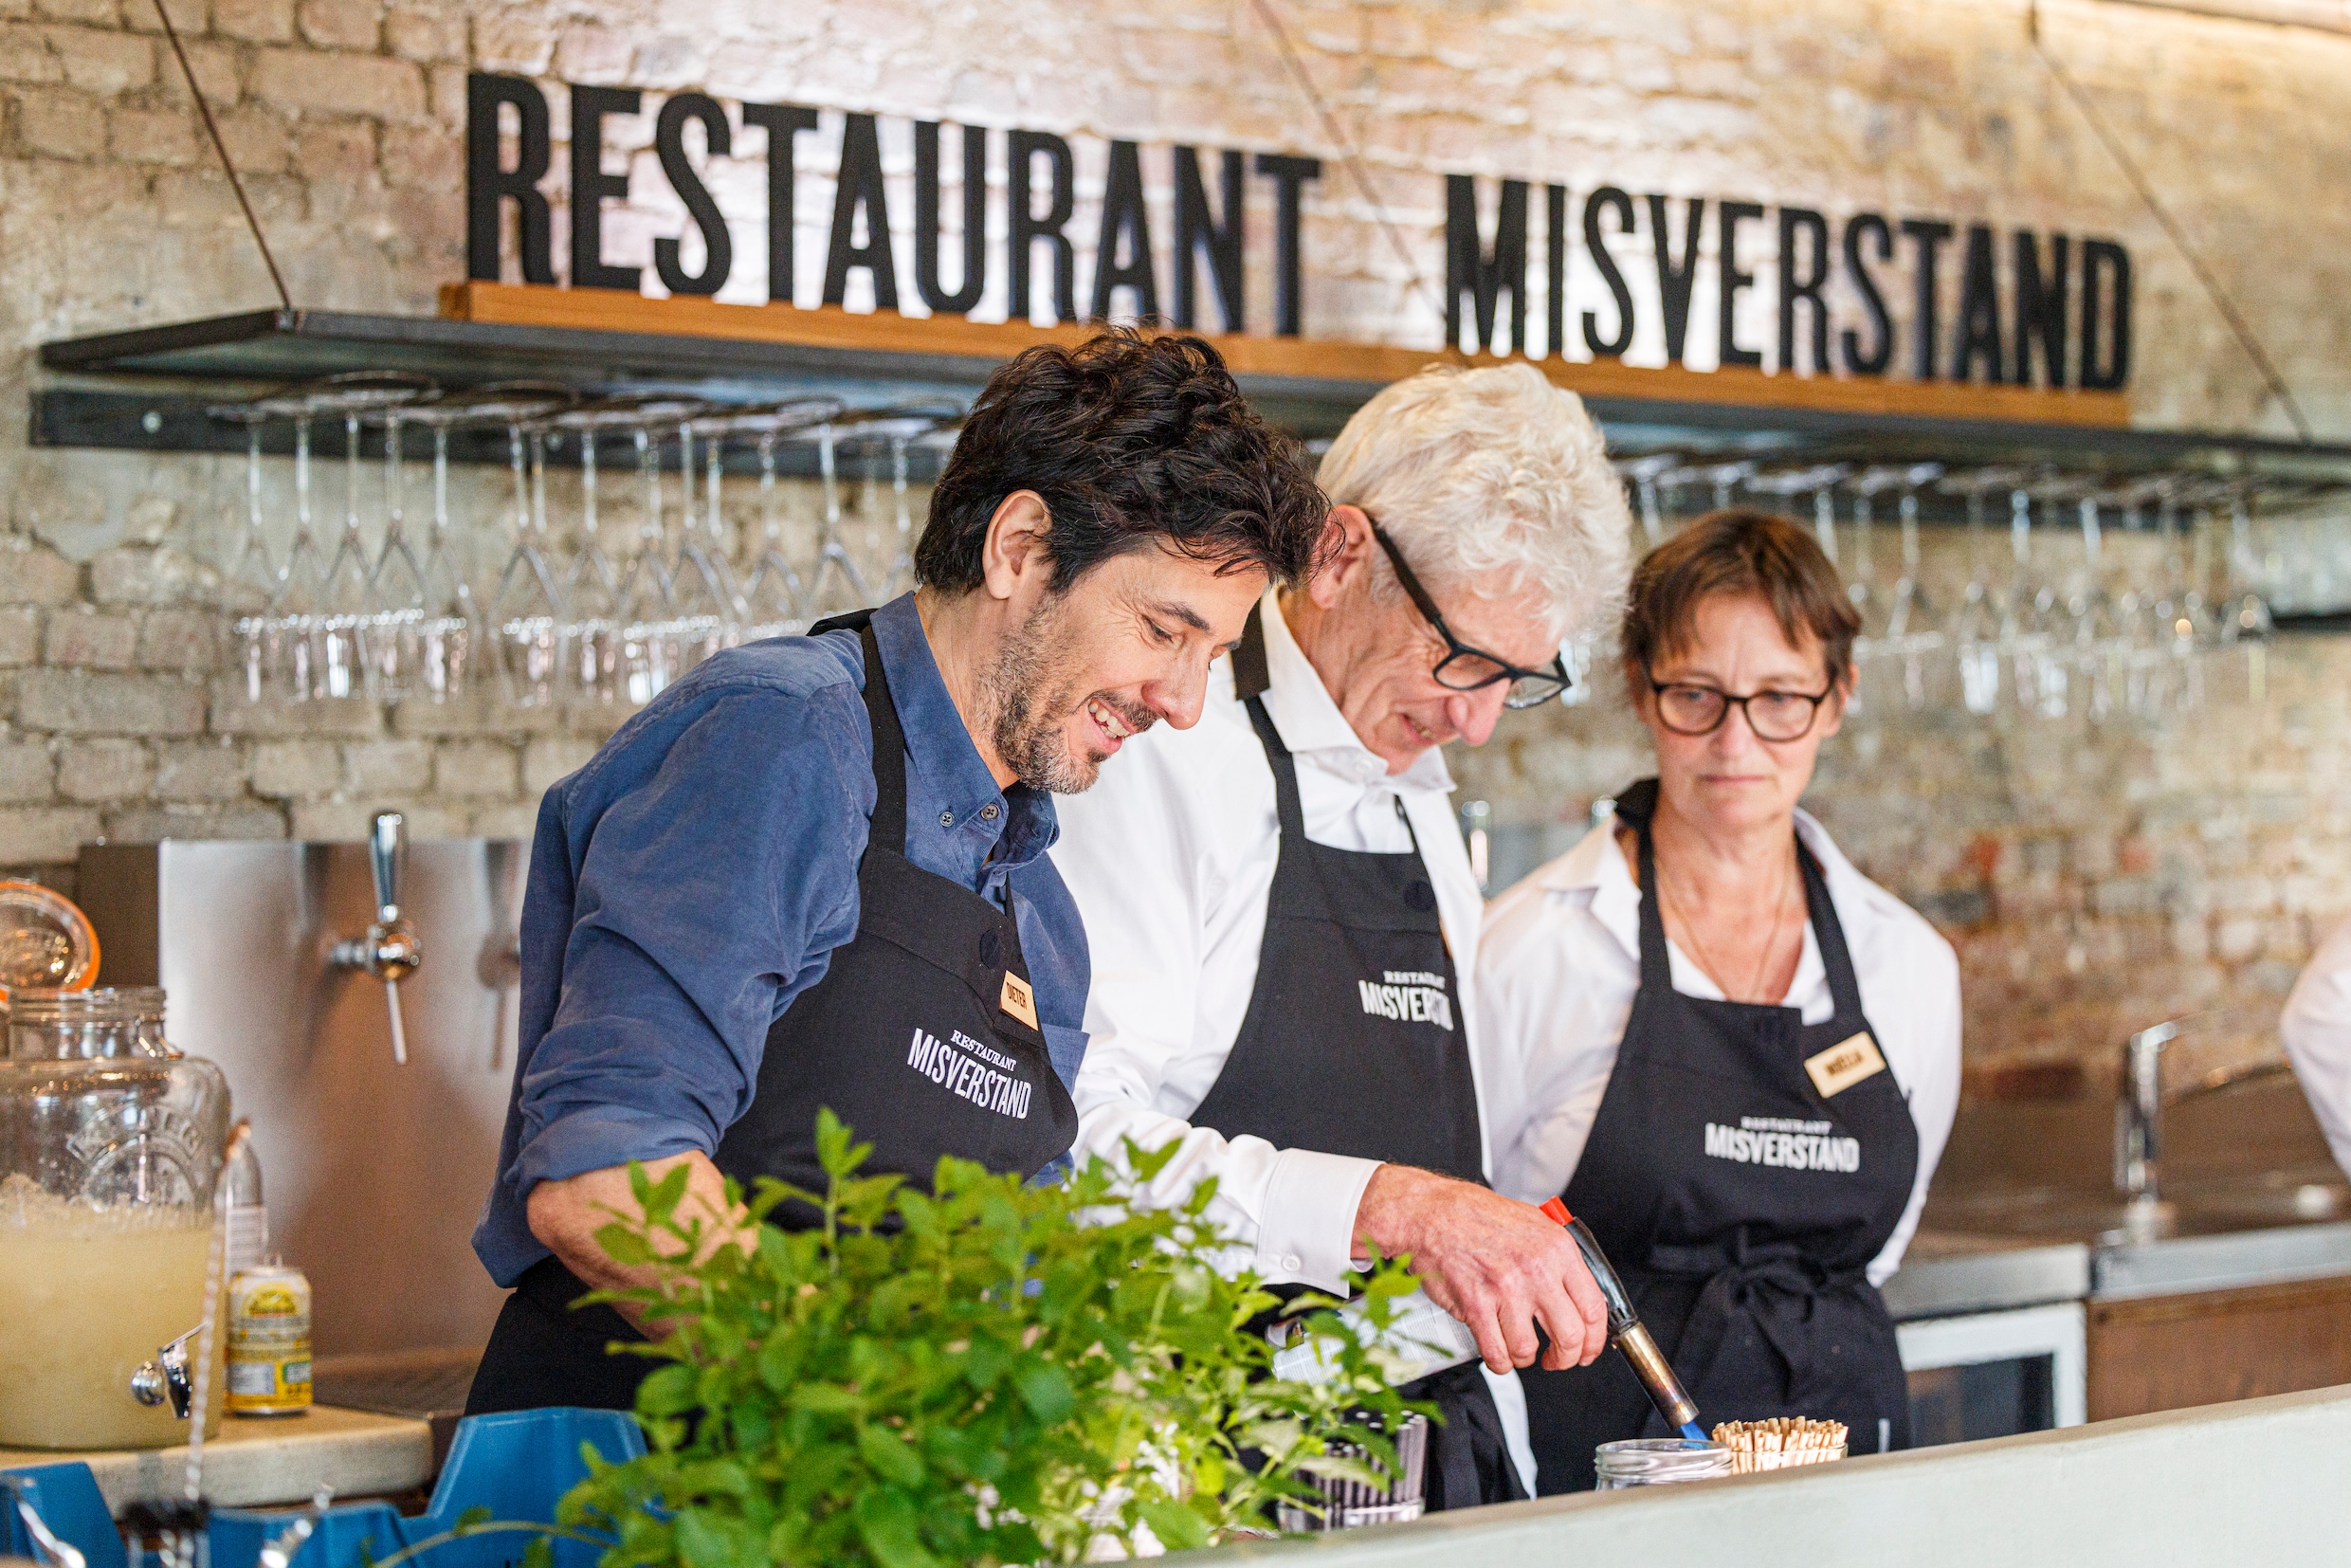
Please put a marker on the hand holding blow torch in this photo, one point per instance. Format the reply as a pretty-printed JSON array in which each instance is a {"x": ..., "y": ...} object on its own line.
[{"x": 1625, "y": 1331}]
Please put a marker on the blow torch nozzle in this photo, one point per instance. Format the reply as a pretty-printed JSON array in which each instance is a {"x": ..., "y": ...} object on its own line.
[{"x": 1625, "y": 1331}]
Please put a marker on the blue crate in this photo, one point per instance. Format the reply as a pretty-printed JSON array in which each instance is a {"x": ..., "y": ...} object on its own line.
[{"x": 516, "y": 1465}]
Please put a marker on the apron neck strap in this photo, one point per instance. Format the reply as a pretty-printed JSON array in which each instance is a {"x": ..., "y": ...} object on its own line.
[
  {"x": 1835, "y": 958},
  {"x": 890, "y": 750},
  {"x": 1656, "y": 967},
  {"x": 1251, "y": 676},
  {"x": 1293, "y": 816}
]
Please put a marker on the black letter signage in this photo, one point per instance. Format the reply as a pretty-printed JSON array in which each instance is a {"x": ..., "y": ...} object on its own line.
[
  {"x": 1484, "y": 278},
  {"x": 669, "y": 142},
  {"x": 1028, "y": 226},
  {"x": 591, "y": 187},
  {"x": 487, "y": 185},
  {"x": 927, "y": 218},
  {"x": 859, "y": 185}
]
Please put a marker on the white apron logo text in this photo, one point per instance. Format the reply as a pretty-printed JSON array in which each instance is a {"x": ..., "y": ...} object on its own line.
[
  {"x": 1776, "y": 1140},
  {"x": 1409, "y": 995},
  {"x": 981, "y": 1084}
]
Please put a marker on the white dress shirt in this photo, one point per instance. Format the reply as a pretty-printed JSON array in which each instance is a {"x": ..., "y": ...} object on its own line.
[
  {"x": 1559, "y": 965},
  {"x": 1170, "y": 857},
  {"x": 2317, "y": 1029}
]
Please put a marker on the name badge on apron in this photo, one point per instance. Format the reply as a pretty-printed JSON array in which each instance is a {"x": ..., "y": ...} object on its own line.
[
  {"x": 1845, "y": 1064},
  {"x": 1021, "y": 1003}
]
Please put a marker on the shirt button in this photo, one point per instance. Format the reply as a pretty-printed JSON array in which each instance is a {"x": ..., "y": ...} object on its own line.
[
  {"x": 946, "y": 819},
  {"x": 1291, "y": 1263},
  {"x": 988, "y": 813}
]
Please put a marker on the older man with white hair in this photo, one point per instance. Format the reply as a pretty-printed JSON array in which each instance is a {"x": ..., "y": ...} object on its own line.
[{"x": 1280, "y": 913}]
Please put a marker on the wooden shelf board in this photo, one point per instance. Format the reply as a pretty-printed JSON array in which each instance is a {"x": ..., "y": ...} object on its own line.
[{"x": 830, "y": 327}]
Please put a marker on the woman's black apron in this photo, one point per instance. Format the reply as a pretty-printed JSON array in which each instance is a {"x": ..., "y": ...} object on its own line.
[
  {"x": 1744, "y": 1170},
  {"x": 922, "y": 1036},
  {"x": 1353, "y": 1044}
]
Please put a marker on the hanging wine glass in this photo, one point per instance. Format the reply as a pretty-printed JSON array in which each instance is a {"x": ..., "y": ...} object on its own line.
[
  {"x": 1905, "y": 633},
  {"x": 650, "y": 631},
  {"x": 2140, "y": 656},
  {"x": 2245, "y": 622},
  {"x": 294, "y": 622},
  {"x": 710, "y": 614},
  {"x": 395, "y": 620},
  {"x": 772, "y": 600},
  {"x": 1981, "y": 618},
  {"x": 526, "y": 612},
  {"x": 891, "y": 432},
  {"x": 2094, "y": 624},
  {"x": 253, "y": 581},
  {"x": 835, "y": 586},
  {"x": 594, "y": 632},
  {"x": 1644, "y": 474}
]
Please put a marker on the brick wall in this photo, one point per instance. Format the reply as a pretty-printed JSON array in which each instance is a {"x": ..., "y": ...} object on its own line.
[{"x": 2086, "y": 876}]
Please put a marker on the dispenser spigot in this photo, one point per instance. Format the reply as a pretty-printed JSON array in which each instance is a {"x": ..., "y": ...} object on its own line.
[
  {"x": 389, "y": 950},
  {"x": 166, "y": 1377}
]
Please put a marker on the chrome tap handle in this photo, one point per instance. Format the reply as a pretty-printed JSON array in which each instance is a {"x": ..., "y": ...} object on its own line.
[
  {"x": 389, "y": 950},
  {"x": 386, "y": 837}
]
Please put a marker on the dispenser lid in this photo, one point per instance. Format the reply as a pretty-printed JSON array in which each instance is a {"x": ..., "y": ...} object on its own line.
[{"x": 46, "y": 940}]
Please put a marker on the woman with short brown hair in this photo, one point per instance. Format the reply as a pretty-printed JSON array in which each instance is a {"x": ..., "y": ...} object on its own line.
[{"x": 1734, "y": 1056}]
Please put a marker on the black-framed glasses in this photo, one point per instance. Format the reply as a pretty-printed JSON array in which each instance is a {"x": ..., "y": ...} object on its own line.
[
  {"x": 1468, "y": 668},
  {"x": 1688, "y": 709}
]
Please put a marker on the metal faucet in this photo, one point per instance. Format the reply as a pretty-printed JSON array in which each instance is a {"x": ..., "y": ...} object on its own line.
[
  {"x": 2138, "y": 1114},
  {"x": 389, "y": 950},
  {"x": 166, "y": 1377}
]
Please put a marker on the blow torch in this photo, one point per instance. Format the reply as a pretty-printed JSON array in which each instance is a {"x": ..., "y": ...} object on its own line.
[{"x": 1624, "y": 1331}]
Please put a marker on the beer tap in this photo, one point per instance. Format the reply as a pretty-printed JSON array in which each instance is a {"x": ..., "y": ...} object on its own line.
[{"x": 389, "y": 950}]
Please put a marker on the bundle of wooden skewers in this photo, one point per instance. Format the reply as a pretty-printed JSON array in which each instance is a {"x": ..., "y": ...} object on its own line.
[{"x": 1778, "y": 1443}]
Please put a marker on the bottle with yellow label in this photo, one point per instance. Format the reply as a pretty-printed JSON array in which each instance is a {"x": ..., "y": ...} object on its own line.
[{"x": 268, "y": 1342}]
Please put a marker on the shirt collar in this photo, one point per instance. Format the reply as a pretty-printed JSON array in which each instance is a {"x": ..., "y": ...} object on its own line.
[
  {"x": 940, "y": 749},
  {"x": 1310, "y": 724},
  {"x": 1596, "y": 867}
]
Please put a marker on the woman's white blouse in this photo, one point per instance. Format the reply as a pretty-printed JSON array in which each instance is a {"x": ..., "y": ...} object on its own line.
[{"x": 1559, "y": 964}]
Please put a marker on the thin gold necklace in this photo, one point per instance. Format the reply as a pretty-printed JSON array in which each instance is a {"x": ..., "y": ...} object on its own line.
[{"x": 1690, "y": 929}]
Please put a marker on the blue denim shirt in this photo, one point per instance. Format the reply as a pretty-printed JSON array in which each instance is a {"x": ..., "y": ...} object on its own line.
[{"x": 695, "y": 877}]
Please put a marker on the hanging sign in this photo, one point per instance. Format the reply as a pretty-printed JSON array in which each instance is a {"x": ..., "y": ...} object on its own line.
[{"x": 2056, "y": 315}]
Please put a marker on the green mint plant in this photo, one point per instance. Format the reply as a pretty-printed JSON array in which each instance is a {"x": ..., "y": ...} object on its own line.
[{"x": 986, "y": 1373}]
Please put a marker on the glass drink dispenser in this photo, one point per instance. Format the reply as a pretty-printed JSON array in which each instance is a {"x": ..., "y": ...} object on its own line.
[{"x": 110, "y": 1144}]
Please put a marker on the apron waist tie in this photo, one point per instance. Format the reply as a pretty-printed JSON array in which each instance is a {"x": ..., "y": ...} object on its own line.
[{"x": 1772, "y": 1287}]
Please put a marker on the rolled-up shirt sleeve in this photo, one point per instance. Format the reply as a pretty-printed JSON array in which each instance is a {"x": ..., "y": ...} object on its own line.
[{"x": 707, "y": 893}]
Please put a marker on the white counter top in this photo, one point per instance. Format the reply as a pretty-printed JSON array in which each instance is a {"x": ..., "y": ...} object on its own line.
[{"x": 255, "y": 1463}]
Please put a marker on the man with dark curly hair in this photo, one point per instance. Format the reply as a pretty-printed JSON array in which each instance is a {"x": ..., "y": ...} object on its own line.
[{"x": 813, "y": 872}]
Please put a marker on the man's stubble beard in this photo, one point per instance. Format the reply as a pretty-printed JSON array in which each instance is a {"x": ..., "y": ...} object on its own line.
[{"x": 1027, "y": 728}]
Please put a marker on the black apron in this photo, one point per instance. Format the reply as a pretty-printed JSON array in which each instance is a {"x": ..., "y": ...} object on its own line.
[
  {"x": 1353, "y": 1044},
  {"x": 1741, "y": 1205},
  {"x": 907, "y": 1038}
]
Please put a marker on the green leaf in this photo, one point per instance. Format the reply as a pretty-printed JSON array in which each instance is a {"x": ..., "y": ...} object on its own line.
[
  {"x": 670, "y": 1390},
  {"x": 539, "y": 1552},
  {"x": 1179, "y": 1528},
  {"x": 625, "y": 1244},
  {"x": 826, "y": 1400},
  {"x": 478, "y": 1514},
  {"x": 890, "y": 1527},
  {"x": 1045, "y": 1389},
  {"x": 710, "y": 1541},
  {"x": 663, "y": 1201},
  {"x": 891, "y": 1459}
]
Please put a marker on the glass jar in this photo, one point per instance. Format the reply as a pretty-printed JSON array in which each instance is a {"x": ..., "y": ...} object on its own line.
[
  {"x": 110, "y": 1147},
  {"x": 1658, "y": 1462}
]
